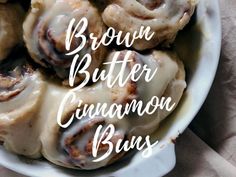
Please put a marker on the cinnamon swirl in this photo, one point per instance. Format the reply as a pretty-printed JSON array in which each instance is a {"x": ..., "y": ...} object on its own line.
[
  {"x": 164, "y": 17},
  {"x": 21, "y": 92},
  {"x": 45, "y": 33}
]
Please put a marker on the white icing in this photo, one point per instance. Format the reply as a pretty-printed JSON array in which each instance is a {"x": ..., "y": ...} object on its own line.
[
  {"x": 165, "y": 20},
  {"x": 19, "y": 121},
  {"x": 166, "y": 81}
]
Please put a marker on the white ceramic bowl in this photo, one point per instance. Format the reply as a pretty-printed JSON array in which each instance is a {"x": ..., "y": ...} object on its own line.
[{"x": 199, "y": 47}]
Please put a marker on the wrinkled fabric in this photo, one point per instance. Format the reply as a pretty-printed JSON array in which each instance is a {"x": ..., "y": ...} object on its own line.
[
  {"x": 215, "y": 124},
  {"x": 196, "y": 159},
  {"x": 208, "y": 148},
  {"x": 7, "y": 173}
]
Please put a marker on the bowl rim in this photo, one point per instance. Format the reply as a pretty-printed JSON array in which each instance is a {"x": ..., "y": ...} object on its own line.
[{"x": 169, "y": 147}]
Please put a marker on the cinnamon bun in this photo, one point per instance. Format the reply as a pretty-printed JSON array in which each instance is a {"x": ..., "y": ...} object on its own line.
[
  {"x": 21, "y": 92},
  {"x": 169, "y": 82},
  {"x": 11, "y": 19},
  {"x": 164, "y": 17},
  {"x": 45, "y": 33},
  {"x": 71, "y": 146}
]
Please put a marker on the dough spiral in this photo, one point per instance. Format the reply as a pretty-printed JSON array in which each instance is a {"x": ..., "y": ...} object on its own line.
[
  {"x": 45, "y": 33},
  {"x": 164, "y": 17},
  {"x": 21, "y": 92}
]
